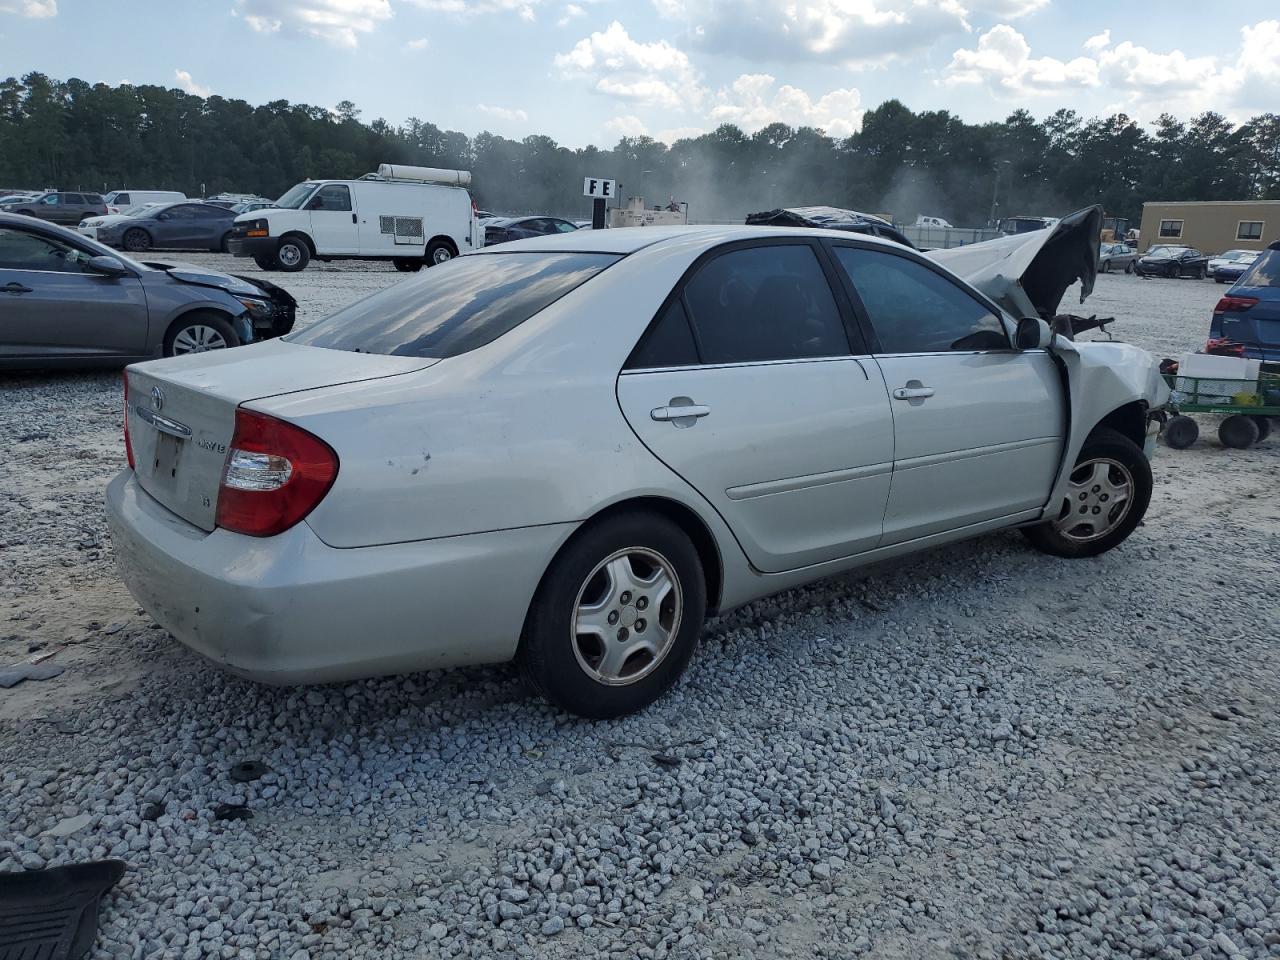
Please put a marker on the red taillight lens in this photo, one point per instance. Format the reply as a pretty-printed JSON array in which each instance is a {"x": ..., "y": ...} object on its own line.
[
  {"x": 474, "y": 208},
  {"x": 1230, "y": 304},
  {"x": 128, "y": 445},
  {"x": 274, "y": 476}
]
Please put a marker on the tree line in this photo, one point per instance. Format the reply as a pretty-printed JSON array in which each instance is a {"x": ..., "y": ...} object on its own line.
[{"x": 72, "y": 134}]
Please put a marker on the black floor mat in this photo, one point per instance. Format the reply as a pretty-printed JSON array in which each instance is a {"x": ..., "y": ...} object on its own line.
[{"x": 53, "y": 914}]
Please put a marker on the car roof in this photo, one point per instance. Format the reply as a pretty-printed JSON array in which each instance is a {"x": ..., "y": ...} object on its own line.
[{"x": 625, "y": 240}]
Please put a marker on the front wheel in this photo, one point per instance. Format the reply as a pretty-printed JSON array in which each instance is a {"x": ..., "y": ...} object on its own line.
[
  {"x": 1128, "y": 267},
  {"x": 199, "y": 333},
  {"x": 1181, "y": 432},
  {"x": 136, "y": 240},
  {"x": 616, "y": 618},
  {"x": 1239, "y": 432},
  {"x": 1264, "y": 426},
  {"x": 1107, "y": 497},
  {"x": 1174, "y": 272},
  {"x": 293, "y": 254}
]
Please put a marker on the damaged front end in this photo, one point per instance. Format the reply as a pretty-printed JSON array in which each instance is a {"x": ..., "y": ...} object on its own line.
[{"x": 276, "y": 319}]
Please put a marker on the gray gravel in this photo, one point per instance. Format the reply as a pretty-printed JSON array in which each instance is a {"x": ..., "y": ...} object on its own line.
[{"x": 980, "y": 752}]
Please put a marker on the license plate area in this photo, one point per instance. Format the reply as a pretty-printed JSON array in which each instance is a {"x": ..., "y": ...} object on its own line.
[{"x": 165, "y": 460}]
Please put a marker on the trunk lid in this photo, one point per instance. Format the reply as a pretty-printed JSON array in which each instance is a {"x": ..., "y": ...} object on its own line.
[{"x": 182, "y": 410}]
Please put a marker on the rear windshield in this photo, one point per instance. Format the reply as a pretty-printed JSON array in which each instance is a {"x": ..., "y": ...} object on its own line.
[
  {"x": 455, "y": 306},
  {"x": 1265, "y": 271}
]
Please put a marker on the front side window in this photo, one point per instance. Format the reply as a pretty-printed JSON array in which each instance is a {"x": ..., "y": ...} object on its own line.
[
  {"x": 51, "y": 199},
  {"x": 915, "y": 310},
  {"x": 119, "y": 200},
  {"x": 335, "y": 196},
  {"x": 1249, "y": 230},
  {"x": 20, "y": 250},
  {"x": 455, "y": 306},
  {"x": 1171, "y": 228},
  {"x": 764, "y": 303}
]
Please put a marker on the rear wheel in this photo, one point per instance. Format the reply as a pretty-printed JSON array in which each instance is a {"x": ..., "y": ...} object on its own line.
[
  {"x": 616, "y": 617},
  {"x": 405, "y": 265},
  {"x": 1181, "y": 432},
  {"x": 1106, "y": 266},
  {"x": 293, "y": 254},
  {"x": 1107, "y": 497},
  {"x": 1128, "y": 267},
  {"x": 1264, "y": 427},
  {"x": 136, "y": 240},
  {"x": 199, "y": 333},
  {"x": 1238, "y": 432},
  {"x": 438, "y": 252},
  {"x": 265, "y": 263}
]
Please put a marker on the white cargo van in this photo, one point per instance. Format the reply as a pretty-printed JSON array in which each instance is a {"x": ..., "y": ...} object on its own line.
[
  {"x": 118, "y": 201},
  {"x": 409, "y": 215}
]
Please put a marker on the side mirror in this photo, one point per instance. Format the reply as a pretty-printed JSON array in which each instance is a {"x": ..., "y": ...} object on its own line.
[
  {"x": 162, "y": 216},
  {"x": 107, "y": 266},
  {"x": 1032, "y": 334}
]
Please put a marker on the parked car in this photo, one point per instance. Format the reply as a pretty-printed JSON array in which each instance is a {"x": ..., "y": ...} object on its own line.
[
  {"x": 248, "y": 206},
  {"x": 1116, "y": 256},
  {"x": 1013, "y": 226},
  {"x": 118, "y": 201},
  {"x": 14, "y": 199},
  {"x": 506, "y": 229},
  {"x": 191, "y": 225},
  {"x": 829, "y": 218},
  {"x": 412, "y": 216},
  {"x": 470, "y": 467},
  {"x": 1249, "y": 314},
  {"x": 90, "y": 227},
  {"x": 1222, "y": 259},
  {"x": 1233, "y": 271},
  {"x": 70, "y": 301},
  {"x": 61, "y": 207},
  {"x": 1172, "y": 261},
  {"x": 936, "y": 223}
]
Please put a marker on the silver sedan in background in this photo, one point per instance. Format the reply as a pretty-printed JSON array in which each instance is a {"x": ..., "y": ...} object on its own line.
[
  {"x": 571, "y": 450},
  {"x": 1116, "y": 256}
]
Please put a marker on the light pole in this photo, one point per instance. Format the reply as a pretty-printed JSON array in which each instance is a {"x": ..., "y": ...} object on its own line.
[
  {"x": 995, "y": 192},
  {"x": 643, "y": 174}
]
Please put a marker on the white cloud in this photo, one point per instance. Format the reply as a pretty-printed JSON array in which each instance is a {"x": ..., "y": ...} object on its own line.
[
  {"x": 679, "y": 133},
  {"x": 754, "y": 101},
  {"x": 31, "y": 8},
  {"x": 340, "y": 22},
  {"x": 627, "y": 125},
  {"x": 653, "y": 74},
  {"x": 504, "y": 113},
  {"x": 852, "y": 32},
  {"x": 471, "y": 8},
  {"x": 420, "y": 43},
  {"x": 571, "y": 12},
  {"x": 187, "y": 83},
  {"x": 1003, "y": 61},
  {"x": 1007, "y": 9},
  {"x": 1099, "y": 41}
]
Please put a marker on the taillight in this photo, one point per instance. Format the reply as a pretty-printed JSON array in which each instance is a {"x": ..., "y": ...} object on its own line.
[
  {"x": 276, "y": 473},
  {"x": 474, "y": 209},
  {"x": 128, "y": 445},
  {"x": 1232, "y": 304}
]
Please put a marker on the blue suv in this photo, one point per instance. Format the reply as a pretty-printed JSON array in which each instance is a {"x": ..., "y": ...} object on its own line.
[{"x": 1249, "y": 314}]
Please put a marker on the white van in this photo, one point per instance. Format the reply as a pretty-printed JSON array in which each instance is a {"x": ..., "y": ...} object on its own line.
[
  {"x": 118, "y": 201},
  {"x": 936, "y": 223},
  {"x": 409, "y": 215}
]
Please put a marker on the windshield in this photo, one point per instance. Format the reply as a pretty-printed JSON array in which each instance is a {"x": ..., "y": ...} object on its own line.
[
  {"x": 455, "y": 306},
  {"x": 1165, "y": 251},
  {"x": 296, "y": 195}
]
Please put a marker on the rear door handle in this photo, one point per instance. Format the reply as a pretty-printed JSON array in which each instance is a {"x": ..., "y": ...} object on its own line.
[
  {"x": 913, "y": 393},
  {"x": 15, "y": 287},
  {"x": 687, "y": 411}
]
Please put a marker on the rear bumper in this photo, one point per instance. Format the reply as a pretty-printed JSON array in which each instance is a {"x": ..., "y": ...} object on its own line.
[
  {"x": 253, "y": 246},
  {"x": 291, "y": 609}
]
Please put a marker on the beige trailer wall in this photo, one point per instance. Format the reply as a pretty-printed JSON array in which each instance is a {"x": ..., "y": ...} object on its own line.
[{"x": 1212, "y": 226}]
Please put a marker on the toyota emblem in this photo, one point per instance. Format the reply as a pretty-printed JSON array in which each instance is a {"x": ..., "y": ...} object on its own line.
[{"x": 157, "y": 398}]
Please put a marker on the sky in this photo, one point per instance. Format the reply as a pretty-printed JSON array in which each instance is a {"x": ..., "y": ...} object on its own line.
[{"x": 592, "y": 71}]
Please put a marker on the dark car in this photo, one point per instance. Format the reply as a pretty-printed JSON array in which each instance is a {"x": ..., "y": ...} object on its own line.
[
  {"x": 829, "y": 218},
  {"x": 1249, "y": 314},
  {"x": 519, "y": 228},
  {"x": 1234, "y": 269},
  {"x": 189, "y": 225},
  {"x": 70, "y": 301},
  {"x": 1171, "y": 261},
  {"x": 61, "y": 207}
]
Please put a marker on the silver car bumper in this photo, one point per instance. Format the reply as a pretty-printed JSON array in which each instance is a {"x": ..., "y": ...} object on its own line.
[{"x": 291, "y": 609}]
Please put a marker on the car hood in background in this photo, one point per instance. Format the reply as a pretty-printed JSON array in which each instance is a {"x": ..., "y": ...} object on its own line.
[
  {"x": 234, "y": 285},
  {"x": 1027, "y": 274}
]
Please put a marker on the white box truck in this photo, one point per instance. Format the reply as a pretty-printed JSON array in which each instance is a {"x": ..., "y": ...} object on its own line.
[{"x": 412, "y": 216}]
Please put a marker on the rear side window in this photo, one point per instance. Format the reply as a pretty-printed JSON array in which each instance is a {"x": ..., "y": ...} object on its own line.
[
  {"x": 914, "y": 310},
  {"x": 72, "y": 198},
  {"x": 668, "y": 343},
  {"x": 92, "y": 198},
  {"x": 1265, "y": 271},
  {"x": 764, "y": 303},
  {"x": 456, "y": 306}
]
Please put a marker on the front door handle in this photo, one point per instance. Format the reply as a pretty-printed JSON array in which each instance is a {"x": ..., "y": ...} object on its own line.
[
  {"x": 353, "y": 218},
  {"x": 914, "y": 390},
  {"x": 680, "y": 411},
  {"x": 15, "y": 287}
]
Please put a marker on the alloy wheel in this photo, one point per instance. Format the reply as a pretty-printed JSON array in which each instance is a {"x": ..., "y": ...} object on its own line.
[
  {"x": 198, "y": 338},
  {"x": 626, "y": 616},
  {"x": 1099, "y": 495}
]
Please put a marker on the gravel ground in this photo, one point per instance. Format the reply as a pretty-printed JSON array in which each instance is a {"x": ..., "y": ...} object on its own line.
[{"x": 983, "y": 752}]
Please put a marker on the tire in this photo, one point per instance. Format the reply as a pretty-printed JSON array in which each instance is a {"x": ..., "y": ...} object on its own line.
[
  {"x": 1239, "y": 432},
  {"x": 439, "y": 252},
  {"x": 585, "y": 586},
  {"x": 1094, "y": 518},
  {"x": 1264, "y": 426},
  {"x": 292, "y": 254},
  {"x": 199, "y": 333},
  {"x": 405, "y": 265},
  {"x": 1181, "y": 432},
  {"x": 1106, "y": 266},
  {"x": 1128, "y": 267},
  {"x": 266, "y": 263},
  {"x": 224, "y": 245},
  {"x": 1201, "y": 273},
  {"x": 136, "y": 240},
  {"x": 1174, "y": 271},
  {"x": 1216, "y": 280}
]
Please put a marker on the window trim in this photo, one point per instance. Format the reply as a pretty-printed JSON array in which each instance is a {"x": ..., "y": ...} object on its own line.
[
  {"x": 1262, "y": 227},
  {"x": 897, "y": 250},
  {"x": 844, "y": 308},
  {"x": 1161, "y": 235}
]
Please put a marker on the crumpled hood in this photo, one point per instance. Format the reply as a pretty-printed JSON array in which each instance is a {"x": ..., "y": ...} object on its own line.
[
  {"x": 203, "y": 277},
  {"x": 1028, "y": 274}
]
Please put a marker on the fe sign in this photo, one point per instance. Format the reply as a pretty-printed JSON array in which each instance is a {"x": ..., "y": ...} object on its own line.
[{"x": 595, "y": 187}]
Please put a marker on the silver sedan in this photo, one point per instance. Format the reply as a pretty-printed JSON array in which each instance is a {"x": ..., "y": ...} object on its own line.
[{"x": 569, "y": 451}]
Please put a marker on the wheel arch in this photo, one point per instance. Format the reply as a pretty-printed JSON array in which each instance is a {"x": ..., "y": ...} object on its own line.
[
  {"x": 303, "y": 236},
  {"x": 442, "y": 238},
  {"x": 1129, "y": 420}
]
